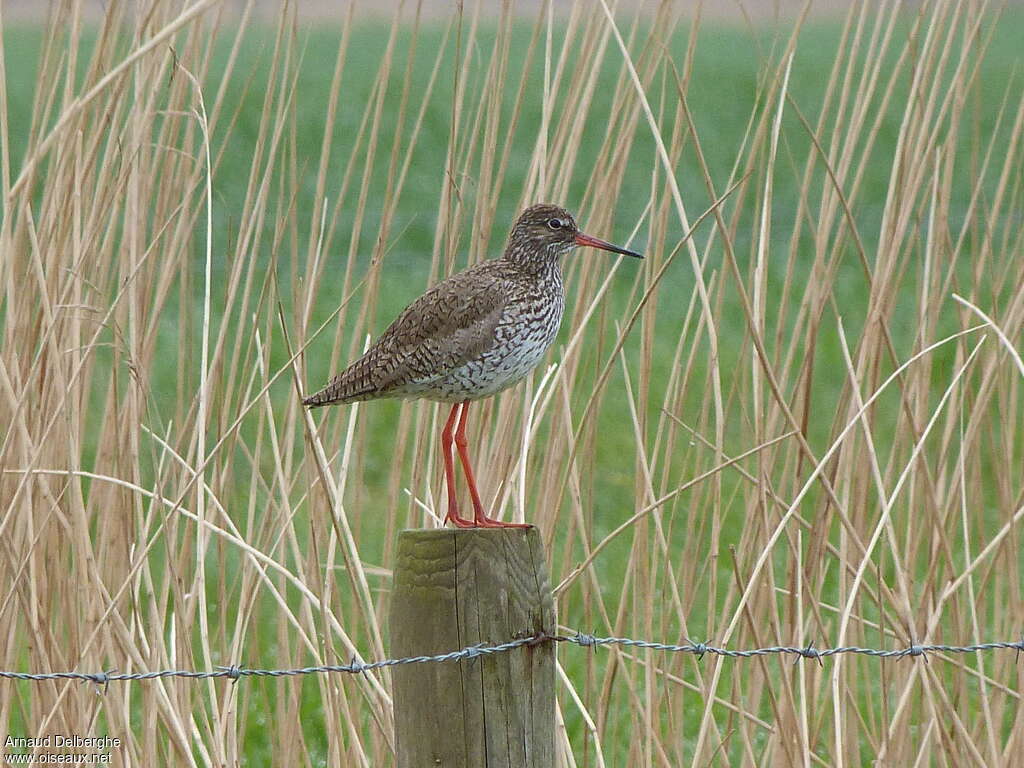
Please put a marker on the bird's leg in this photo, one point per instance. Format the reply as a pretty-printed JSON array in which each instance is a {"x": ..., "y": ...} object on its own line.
[
  {"x": 449, "y": 473},
  {"x": 480, "y": 517}
]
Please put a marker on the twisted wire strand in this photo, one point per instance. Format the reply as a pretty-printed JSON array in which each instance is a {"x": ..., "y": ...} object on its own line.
[
  {"x": 808, "y": 652},
  {"x": 235, "y": 672}
]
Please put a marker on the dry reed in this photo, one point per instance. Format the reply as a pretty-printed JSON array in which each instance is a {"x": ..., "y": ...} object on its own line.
[{"x": 782, "y": 429}]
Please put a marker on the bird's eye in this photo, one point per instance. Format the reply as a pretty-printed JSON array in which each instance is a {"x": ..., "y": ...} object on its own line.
[{"x": 555, "y": 223}]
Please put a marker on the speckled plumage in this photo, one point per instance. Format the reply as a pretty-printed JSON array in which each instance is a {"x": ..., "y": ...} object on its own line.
[
  {"x": 473, "y": 334},
  {"x": 469, "y": 336}
]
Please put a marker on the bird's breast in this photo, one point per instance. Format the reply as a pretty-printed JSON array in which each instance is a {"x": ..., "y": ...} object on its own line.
[
  {"x": 527, "y": 327},
  {"x": 527, "y": 330}
]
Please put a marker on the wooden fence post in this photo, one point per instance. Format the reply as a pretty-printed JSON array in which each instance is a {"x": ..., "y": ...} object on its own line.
[{"x": 453, "y": 589}]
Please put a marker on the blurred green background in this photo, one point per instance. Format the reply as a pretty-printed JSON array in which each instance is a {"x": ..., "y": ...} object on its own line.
[{"x": 730, "y": 59}]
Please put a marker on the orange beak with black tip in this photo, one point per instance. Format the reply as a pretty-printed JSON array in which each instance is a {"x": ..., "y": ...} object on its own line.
[{"x": 593, "y": 242}]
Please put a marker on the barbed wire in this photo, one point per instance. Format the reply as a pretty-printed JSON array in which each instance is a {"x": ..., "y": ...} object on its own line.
[
  {"x": 235, "y": 673},
  {"x": 806, "y": 652}
]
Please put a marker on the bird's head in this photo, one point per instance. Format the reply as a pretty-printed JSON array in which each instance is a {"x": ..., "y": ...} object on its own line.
[{"x": 544, "y": 232}]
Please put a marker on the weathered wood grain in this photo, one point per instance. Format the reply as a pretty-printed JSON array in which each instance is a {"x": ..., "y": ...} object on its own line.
[{"x": 452, "y": 589}]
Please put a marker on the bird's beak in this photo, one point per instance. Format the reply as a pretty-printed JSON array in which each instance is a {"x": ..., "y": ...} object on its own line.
[{"x": 593, "y": 242}]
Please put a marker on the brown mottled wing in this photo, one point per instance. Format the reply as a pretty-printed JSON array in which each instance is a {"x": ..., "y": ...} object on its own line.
[{"x": 451, "y": 324}]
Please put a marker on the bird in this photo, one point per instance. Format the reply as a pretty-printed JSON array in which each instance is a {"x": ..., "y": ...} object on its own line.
[{"x": 471, "y": 336}]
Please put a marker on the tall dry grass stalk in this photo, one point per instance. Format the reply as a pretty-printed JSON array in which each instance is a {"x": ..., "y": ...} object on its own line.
[{"x": 166, "y": 503}]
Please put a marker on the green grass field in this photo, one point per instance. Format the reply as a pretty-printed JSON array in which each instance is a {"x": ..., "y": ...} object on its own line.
[{"x": 438, "y": 136}]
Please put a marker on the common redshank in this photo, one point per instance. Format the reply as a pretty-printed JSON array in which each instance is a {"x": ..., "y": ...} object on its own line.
[{"x": 471, "y": 336}]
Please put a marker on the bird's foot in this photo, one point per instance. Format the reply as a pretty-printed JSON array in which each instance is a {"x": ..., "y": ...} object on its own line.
[
  {"x": 455, "y": 519},
  {"x": 483, "y": 521},
  {"x": 480, "y": 520}
]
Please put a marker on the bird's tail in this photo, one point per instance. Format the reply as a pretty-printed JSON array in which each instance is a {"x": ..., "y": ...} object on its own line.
[
  {"x": 318, "y": 399},
  {"x": 350, "y": 386}
]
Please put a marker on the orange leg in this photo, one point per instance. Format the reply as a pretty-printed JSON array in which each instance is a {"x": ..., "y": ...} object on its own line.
[
  {"x": 449, "y": 473},
  {"x": 480, "y": 517}
]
